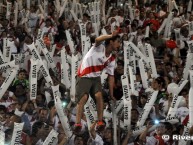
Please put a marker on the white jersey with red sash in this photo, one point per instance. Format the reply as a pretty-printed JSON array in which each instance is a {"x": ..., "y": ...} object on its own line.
[{"x": 95, "y": 61}]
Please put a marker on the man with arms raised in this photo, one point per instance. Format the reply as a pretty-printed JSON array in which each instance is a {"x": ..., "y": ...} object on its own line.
[{"x": 98, "y": 58}]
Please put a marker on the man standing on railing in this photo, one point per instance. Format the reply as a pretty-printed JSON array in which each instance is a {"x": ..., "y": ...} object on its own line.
[{"x": 98, "y": 58}]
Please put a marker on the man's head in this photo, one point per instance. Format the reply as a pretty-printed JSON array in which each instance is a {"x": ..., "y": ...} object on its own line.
[
  {"x": 5, "y": 22},
  {"x": 113, "y": 42},
  {"x": 22, "y": 74},
  {"x": 43, "y": 114},
  {"x": 2, "y": 113},
  {"x": 175, "y": 11},
  {"x": 160, "y": 129},
  {"x": 158, "y": 83},
  {"x": 108, "y": 134},
  {"x": 40, "y": 130},
  {"x": 1, "y": 80},
  {"x": 86, "y": 17},
  {"x": 30, "y": 108},
  {"x": 78, "y": 140},
  {"x": 168, "y": 128},
  {"x": 14, "y": 118},
  {"x": 48, "y": 22},
  {"x": 134, "y": 115}
]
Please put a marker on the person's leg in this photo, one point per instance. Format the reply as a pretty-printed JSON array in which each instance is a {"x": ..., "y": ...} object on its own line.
[
  {"x": 83, "y": 86},
  {"x": 100, "y": 105},
  {"x": 80, "y": 108}
]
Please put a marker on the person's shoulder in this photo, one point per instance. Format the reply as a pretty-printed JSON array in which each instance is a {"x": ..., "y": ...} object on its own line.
[
  {"x": 99, "y": 47},
  {"x": 151, "y": 140}
]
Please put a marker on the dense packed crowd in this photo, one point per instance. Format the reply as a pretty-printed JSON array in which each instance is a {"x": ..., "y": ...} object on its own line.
[{"x": 131, "y": 19}]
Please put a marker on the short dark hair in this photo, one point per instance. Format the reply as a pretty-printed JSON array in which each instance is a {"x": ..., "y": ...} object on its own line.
[
  {"x": 169, "y": 64},
  {"x": 168, "y": 126},
  {"x": 22, "y": 71},
  {"x": 43, "y": 108},
  {"x": 134, "y": 109},
  {"x": 86, "y": 15},
  {"x": 51, "y": 104},
  {"x": 107, "y": 42},
  {"x": 48, "y": 20},
  {"x": 175, "y": 10},
  {"x": 35, "y": 126},
  {"x": 160, "y": 80},
  {"x": 120, "y": 62},
  {"x": 3, "y": 108}
]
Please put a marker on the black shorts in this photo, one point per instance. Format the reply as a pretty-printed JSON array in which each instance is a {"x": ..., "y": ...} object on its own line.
[{"x": 89, "y": 86}]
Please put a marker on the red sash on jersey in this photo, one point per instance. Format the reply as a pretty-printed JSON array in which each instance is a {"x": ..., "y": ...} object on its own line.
[
  {"x": 185, "y": 121},
  {"x": 161, "y": 141},
  {"x": 97, "y": 68}
]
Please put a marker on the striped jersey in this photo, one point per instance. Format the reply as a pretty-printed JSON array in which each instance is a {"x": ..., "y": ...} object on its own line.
[{"x": 95, "y": 61}]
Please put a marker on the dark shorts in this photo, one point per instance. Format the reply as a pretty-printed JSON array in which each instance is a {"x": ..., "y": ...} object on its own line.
[{"x": 89, "y": 86}]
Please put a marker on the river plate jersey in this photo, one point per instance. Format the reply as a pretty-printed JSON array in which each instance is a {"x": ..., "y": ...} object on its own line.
[{"x": 95, "y": 61}]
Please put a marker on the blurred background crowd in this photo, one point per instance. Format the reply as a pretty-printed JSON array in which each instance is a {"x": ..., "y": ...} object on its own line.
[{"x": 40, "y": 116}]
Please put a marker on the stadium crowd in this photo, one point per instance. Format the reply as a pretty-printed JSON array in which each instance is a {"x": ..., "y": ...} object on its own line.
[{"x": 40, "y": 115}]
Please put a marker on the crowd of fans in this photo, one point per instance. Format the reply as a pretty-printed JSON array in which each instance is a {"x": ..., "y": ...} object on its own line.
[{"x": 40, "y": 116}]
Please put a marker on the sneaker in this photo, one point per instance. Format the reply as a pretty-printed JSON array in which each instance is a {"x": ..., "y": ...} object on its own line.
[
  {"x": 100, "y": 125},
  {"x": 77, "y": 127}
]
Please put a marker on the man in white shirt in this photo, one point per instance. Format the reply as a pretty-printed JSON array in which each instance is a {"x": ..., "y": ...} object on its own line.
[{"x": 98, "y": 58}]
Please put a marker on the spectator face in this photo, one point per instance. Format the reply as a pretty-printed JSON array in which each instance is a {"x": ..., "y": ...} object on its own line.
[
  {"x": 139, "y": 32},
  {"x": 108, "y": 30},
  {"x": 48, "y": 23},
  {"x": 142, "y": 15},
  {"x": 115, "y": 44},
  {"x": 11, "y": 32},
  {"x": 143, "y": 100},
  {"x": 114, "y": 12},
  {"x": 134, "y": 116},
  {"x": 19, "y": 91},
  {"x": 28, "y": 40},
  {"x": 42, "y": 132},
  {"x": 151, "y": 16},
  {"x": 39, "y": 100},
  {"x": 125, "y": 37},
  {"x": 113, "y": 20},
  {"x": 168, "y": 68},
  {"x": 85, "y": 18},
  {"x": 121, "y": 12},
  {"x": 60, "y": 128},
  {"x": 155, "y": 85},
  {"x": 43, "y": 115},
  {"x": 6, "y": 95},
  {"x": 153, "y": 7},
  {"x": 32, "y": 9},
  {"x": 65, "y": 24},
  {"x": 180, "y": 71},
  {"x": 165, "y": 8},
  {"x": 2, "y": 116},
  {"x": 120, "y": 68},
  {"x": 2, "y": 79},
  {"x": 160, "y": 129},
  {"x": 88, "y": 27},
  {"x": 3, "y": 34},
  {"x": 187, "y": 100},
  {"x": 108, "y": 135},
  {"x": 191, "y": 18},
  {"x": 11, "y": 121},
  {"x": 185, "y": 32},
  {"x": 184, "y": 94},
  {"x": 21, "y": 76},
  {"x": 78, "y": 141},
  {"x": 175, "y": 14},
  {"x": 5, "y": 23},
  {"x": 30, "y": 108}
]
